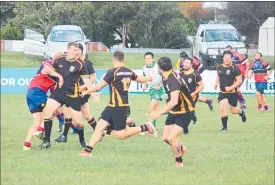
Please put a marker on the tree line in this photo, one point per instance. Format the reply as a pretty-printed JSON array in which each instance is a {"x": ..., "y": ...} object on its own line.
[{"x": 135, "y": 24}]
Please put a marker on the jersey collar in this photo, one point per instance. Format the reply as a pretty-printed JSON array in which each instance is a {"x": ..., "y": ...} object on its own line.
[
  {"x": 166, "y": 74},
  {"x": 153, "y": 65},
  {"x": 189, "y": 72}
]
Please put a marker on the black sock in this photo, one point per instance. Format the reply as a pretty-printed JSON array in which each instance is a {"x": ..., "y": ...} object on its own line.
[
  {"x": 167, "y": 142},
  {"x": 241, "y": 114},
  {"x": 93, "y": 123},
  {"x": 68, "y": 122},
  {"x": 224, "y": 121},
  {"x": 179, "y": 159},
  {"x": 80, "y": 132},
  {"x": 89, "y": 149},
  {"x": 143, "y": 128},
  {"x": 48, "y": 123},
  {"x": 185, "y": 130}
]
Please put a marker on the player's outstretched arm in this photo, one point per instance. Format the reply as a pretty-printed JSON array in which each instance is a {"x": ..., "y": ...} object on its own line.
[
  {"x": 169, "y": 106},
  {"x": 250, "y": 74},
  {"x": 95, "y": 88},
  {"x": 143, "y": 79},
  {"x": 217, "y": 82}
]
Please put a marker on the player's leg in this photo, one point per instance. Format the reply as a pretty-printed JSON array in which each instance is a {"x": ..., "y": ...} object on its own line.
[
  {"x": 209, "y": 102},
  {"x": 173, "y": 139},
  {"x": 233, "y": 102},
  {"x": 153, "y": 106},
  {"x": 96, "y": 137},
  {"x": 166, "y": 131},
  {"x": 77, "y": 117},
  {"x": 223, "y": 103},
  {"x": 68, "y": 121},
  {"x": 51, "y": 106},
  {"x": 240, "y": 95},
  {"x": 60, "y": 117},
  {"x": 37, "y": 119},
  {"x": 264, "y": 101},
  {"x": 85, "y": 110}
]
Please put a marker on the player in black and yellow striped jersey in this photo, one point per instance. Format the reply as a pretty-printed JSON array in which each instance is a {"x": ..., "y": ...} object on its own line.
[
  {"x": 180, "y": 107},
  {"x": 193, "y": 81},
  {"x": 228, "y": 78},
  {"x": 116, "y": 113}
]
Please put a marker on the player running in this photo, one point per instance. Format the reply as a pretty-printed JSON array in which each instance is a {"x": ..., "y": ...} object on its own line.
[
  {"x": 155, "y": 86},
  {"x": 241, "y": 61},
  {"x": 91, "y": 78},
  {"x": 198, "y": 67},
  {"x": 71, "y": 68},
  {"x": 115, "y": 114},
  {"x": 228, "y": 78},
  {"x": 194, "y": 83},
  {"x": 261, "y": 70},
  {"x": 180, "y": 107},
  {"x": 36, "y": 97}
]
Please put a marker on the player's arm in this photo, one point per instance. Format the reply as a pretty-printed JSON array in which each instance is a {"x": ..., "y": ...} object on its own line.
[
  {"x": 217, "y": 81},
  {"x": 199, "y": 83},
  {"x": 49, "y": 70},
  {"x": 143, "y": 79},
  {"x": 174, "y": 86},
  {"x": 268, "y": 68}
]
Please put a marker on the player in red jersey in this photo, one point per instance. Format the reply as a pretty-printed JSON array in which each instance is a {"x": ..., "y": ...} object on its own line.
[
  {"x": 36, "y": 97},
  {"x": 242, "y": 62},
  {"x": 261, "y": 71},
  {"x": 198, "y": 66}
]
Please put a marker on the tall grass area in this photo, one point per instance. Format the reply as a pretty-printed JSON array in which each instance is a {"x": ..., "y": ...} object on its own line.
[{"x": 100, "y": 60}]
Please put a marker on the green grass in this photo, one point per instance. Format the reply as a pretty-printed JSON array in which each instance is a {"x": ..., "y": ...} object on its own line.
[
  {"x": 100, "y": 60},
  {"x": 243, "y": 156}
]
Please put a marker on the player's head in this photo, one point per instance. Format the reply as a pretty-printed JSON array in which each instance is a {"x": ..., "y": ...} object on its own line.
[
  {"x": 258, "y": 56},
  {"x": 187, "y": 63},
  {"x": 227, "y": 57},
  {"x": 73, "y": 50},
  {"x": 183, "y": 54},
  {"x": 149, "y": 58},
  {"x": 80, "y": 50},
  {"x": 164, "y": 64},
  {"x": 118, "y": 57},
  {"x": 229, "y": 48}
]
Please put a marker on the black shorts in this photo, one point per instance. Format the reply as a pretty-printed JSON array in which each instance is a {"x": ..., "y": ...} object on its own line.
[
  {"x": 85, "y": 99},
  {"x": 59, "y": 96},
  {"x": 231, "y": 97},
  {"x": 116, "y": 117},
  {"x": 182, "y": 120}
]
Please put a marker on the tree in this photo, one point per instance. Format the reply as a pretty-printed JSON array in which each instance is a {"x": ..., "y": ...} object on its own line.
[
  {"x": 247, "y": 17},
  {"x": 196, "y": 12},
  {"x": 6, "y": 12},
  {"x": 11, "y": 32}
]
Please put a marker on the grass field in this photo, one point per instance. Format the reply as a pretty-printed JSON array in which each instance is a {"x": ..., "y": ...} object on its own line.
[
  {"x": 100, "y": 60},
  {"x": 242, "y": 156}
]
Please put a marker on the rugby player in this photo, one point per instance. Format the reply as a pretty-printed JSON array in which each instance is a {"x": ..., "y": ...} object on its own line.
[
  {"x": 228, "y": 78},
  {"x": 36, "y": 96},
  {"x": 198, "y": 67},
  {"x": 180, "y": 107},
  {"x": 194, "y": 83},
  {"x": 241, "y": 61},
  {"x": 84, "y": 100},
  {"x": 71, "y": 68},
  {"x": 156, "y": 91},
  {"x": 261, "y": 70},
  {"x": 115, "y": 114}
]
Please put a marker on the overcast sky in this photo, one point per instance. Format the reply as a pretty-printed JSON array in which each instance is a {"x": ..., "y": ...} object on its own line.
[{"x": 214, "y": 4}]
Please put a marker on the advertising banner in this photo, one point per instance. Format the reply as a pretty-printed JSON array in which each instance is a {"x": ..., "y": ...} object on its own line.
[{"x": 16, "y": 81}]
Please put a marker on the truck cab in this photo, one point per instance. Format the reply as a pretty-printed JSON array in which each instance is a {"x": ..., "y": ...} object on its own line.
[{"x": 211, "y": 40}]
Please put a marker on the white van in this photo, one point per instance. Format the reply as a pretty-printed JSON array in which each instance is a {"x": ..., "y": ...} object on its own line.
[
  {"x": 211, "y": 40},
  {"x": 57, "y": 40}
]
